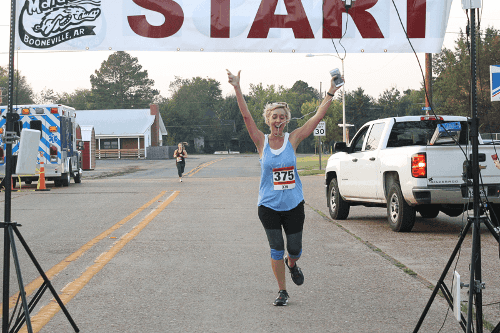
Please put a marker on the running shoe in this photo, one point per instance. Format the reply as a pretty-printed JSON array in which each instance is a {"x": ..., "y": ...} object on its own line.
[
  {"x": 282, "y": 299},
  {"x": 297, "y": 276}
]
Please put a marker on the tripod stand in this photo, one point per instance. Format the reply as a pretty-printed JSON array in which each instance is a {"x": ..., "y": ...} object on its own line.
[
  {"x": 476, "y": 285},
  {"x": 442, "y": 286},
  {"x": 10, "y": 228}
]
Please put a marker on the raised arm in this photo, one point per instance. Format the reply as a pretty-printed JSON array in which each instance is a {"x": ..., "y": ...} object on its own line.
[
  {"x": 305, "y": 130},
  {"x": 256, "y": 134}
]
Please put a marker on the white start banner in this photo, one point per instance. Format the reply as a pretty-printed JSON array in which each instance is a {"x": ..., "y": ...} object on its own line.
[{"x": 306, "y": 26}]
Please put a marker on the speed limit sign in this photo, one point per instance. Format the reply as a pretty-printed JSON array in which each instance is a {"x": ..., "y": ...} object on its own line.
[{"x": 320, "y": 130}]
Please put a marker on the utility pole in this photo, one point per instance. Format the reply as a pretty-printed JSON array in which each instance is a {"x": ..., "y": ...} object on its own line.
[{"x": 428, "y": 82}]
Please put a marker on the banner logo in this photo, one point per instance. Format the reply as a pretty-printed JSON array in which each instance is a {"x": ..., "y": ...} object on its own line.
[{"x": 47, "y": 23}]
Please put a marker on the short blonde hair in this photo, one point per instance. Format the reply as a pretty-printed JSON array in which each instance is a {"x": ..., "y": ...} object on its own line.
[{"x": 273, "y": 106}]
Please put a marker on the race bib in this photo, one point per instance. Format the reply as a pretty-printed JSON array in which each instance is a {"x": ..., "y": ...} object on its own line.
[
  {"x": 284, "y": 178},
  {"x": 179, "y": 159}
]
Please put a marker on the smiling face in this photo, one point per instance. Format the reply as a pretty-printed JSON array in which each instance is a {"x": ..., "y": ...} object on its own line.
[
  {"x": 277, "y": 115},
  {"x": 277, "y": 119}
]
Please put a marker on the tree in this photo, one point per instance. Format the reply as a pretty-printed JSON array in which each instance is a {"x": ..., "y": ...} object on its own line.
[
  {"x": 259, "y": 97},
  {"x": 193, "y": 111},
  {"x": 332, "y": 118},
  {"x": 22, "y": 92},
  {"x": 80, "y": 99},
  {"x": 121, "y": 83},
  {"x": 452, "y": 83},
  {"x": 360, "y": 108},
  {"x": 46, "y": 96}
]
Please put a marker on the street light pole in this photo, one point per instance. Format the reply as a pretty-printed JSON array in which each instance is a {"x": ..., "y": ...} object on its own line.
[{"x": 343, "y": 107}]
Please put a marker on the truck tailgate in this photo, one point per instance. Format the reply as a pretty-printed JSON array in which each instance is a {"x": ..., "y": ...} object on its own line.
[{"x": 445, "y": 164}]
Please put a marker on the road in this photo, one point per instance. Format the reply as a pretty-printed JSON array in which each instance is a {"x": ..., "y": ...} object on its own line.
[{"x": 131, "y": 249}]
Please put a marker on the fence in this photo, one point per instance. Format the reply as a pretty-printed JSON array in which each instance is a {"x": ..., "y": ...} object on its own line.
[{"x": 120, "y": 153}]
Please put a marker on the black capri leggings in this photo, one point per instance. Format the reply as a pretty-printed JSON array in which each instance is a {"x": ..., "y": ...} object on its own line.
[
  {"x": 292, "y": 222},
  {"x": 180, "y": 168}
]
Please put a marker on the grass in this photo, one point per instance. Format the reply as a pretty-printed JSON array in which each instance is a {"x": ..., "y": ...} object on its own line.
[{"x": 309, "y": 164}]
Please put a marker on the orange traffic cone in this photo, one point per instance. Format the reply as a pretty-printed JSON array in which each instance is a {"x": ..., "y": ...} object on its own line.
[
  {"x": 12, "y": 184},
  {"x": 41, "y": 179}
]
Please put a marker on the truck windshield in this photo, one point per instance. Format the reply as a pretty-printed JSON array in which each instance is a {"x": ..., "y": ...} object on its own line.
[{"x": 419, "y": 133}]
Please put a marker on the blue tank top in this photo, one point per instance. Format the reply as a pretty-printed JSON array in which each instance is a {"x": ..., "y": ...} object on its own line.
[{"x": 280, "y": 187}]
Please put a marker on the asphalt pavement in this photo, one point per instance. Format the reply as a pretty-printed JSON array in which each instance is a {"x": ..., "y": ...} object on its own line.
[{"x": 202, "y": 265}]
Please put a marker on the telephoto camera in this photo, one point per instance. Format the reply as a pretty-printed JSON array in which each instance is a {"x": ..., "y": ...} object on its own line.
[{"x": 337, "y": 78}]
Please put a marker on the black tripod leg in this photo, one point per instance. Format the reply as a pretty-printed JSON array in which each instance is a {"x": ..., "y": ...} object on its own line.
[
  {"x": 6, "y": 277},
  {"x": 20, "y": 320},
  {"x": 19, "y": 280},
  {"x": 46, "y": 279},
  {"x": 443, "y": 276}
]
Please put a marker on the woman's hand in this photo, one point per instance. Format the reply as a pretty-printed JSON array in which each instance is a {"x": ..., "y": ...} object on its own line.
[
  {"x": 234, "y": 80},
  {"x": 333, "y": 88}
]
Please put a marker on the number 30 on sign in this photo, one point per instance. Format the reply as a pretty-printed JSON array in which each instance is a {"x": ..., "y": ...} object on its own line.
[{"x": 320, "y": 130}]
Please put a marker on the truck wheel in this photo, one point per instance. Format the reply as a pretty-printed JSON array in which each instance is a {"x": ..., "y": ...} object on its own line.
[
  {"x": 338, "y": 207},
  {"x": 65, "y": 179},
  {"x": 401, "y": 216},
  {"x": 77, "y": 177},
  {"x": 428, "y": 211}
]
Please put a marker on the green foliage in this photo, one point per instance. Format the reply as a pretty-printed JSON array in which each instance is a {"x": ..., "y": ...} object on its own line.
[
  {"x": 360, "y": 108},
  {"x": 393, "y": 103},
  {"x": 197, "y": 110},
  {"x": 332, "y": 118},
  {"x": 193, "y": 112},
  {"x": 259, "y": 97},
  {"x": 80, "y": 99},
  {"x": 22, "y": 92},
  {"x": 452, "y": 85},
  {"x": 121, "y": 83}
]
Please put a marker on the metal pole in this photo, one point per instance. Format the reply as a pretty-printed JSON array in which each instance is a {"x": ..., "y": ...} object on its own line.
[
  {"x": 475, "y": 266},
  {"x": 319, "y": 147},
  {"x": 8, "y": 174},
  {"x": 343, "y": 108}
]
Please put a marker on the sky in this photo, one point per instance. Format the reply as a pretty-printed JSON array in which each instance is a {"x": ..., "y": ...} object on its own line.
[{"x": 374, "y": 72}]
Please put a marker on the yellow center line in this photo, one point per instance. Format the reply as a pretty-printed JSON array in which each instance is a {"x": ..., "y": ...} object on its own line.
[
  {"x": 198, "y": 168},
  {"x": 56, "y": 269},
  {"x": 71, "y": 289}
]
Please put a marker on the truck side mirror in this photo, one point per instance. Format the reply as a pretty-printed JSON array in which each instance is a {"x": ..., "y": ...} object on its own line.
[
  {"x": 80, "y": 145},
  {"x": 340, "y": 146}
]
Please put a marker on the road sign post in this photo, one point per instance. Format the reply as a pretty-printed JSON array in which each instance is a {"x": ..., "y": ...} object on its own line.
[{"x": 320, "y": 131}]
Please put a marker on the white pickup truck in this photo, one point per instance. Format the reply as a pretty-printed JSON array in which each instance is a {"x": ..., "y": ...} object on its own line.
[{"x": 410, "y": 164}]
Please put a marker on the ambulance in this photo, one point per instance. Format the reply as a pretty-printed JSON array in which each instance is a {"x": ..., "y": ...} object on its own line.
[{"x": 59, "y": 148}]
